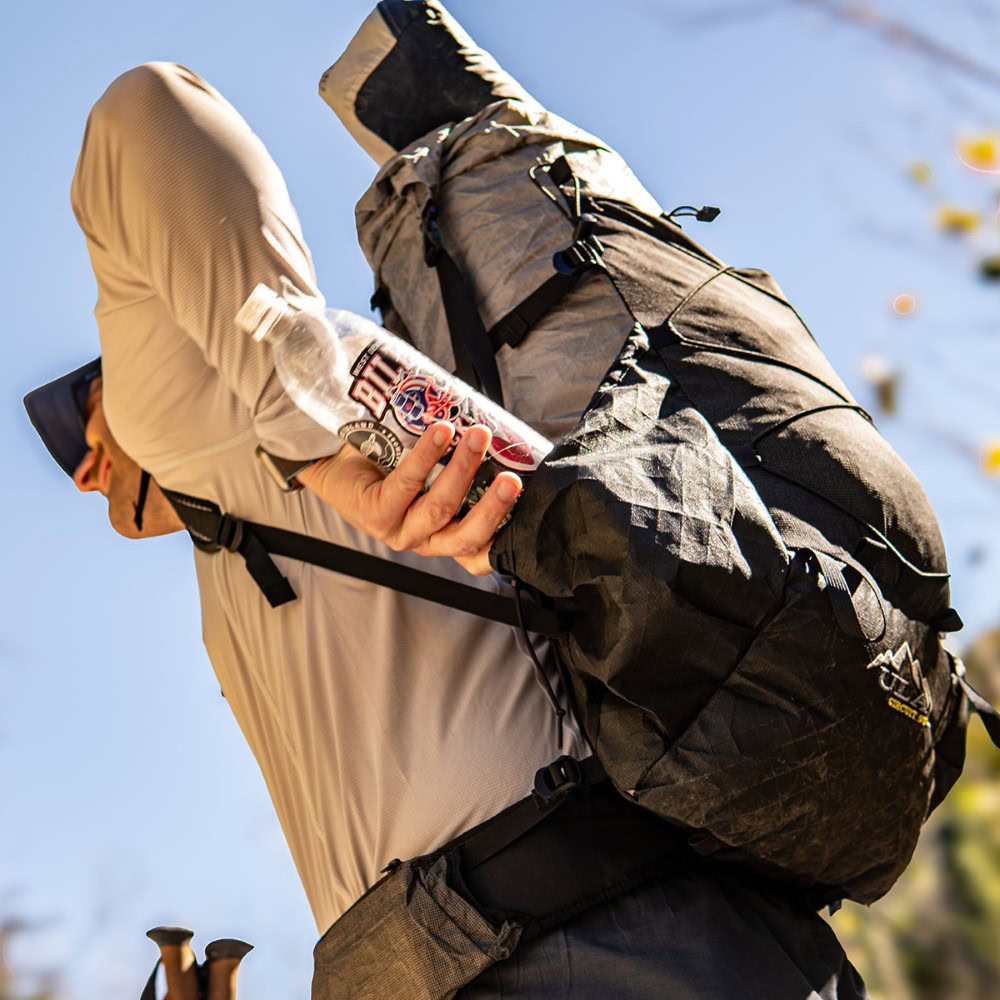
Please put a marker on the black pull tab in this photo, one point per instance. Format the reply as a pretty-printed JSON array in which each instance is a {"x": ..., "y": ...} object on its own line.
[
  {"x": 273, "y": 584},
  {"x": 707, "y": 213},
  {"x": 948, "y": 620},
  {"x": 560, "y": 171}
]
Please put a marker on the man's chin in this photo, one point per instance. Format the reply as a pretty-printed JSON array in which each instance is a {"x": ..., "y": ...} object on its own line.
[
  {"x": 156, "y": 520},
  {"x": 123, "y": 521}
]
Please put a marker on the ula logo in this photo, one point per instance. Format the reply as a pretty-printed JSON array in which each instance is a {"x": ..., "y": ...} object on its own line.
[{"x": 903, "y": 680}]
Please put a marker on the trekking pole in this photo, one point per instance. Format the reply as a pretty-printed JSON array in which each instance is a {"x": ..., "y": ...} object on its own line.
[
  {"x": 222, "y": 959},
  {"x": 178, "y": 961}
]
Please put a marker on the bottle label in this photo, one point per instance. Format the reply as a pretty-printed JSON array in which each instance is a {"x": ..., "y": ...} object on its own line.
[
  {"x": 414, "y": 401},
  {"x": 375, "y": 441}
]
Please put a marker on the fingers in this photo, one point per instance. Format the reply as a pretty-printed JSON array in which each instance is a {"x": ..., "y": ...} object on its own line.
[
  {"x": 397, "y": 492},
  {"x": 401, "y": 511},
  {"x": 468, "y": 541},
  {"x": 412, "y": 519},
  {"x": 444, "y": 499}
]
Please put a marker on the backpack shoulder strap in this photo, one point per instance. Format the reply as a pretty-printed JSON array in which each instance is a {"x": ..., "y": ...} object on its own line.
[{"x": 212, "y": 530}]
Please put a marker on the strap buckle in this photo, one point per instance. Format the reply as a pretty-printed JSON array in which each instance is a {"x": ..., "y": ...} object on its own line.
[
  {"x": 229, "y": 534},
  {"x": 584, "y": 253},
  {"x": 557, "y": 779}
]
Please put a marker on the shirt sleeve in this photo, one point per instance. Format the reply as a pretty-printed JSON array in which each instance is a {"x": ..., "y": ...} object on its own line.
[{"x": 173, "y": 184}]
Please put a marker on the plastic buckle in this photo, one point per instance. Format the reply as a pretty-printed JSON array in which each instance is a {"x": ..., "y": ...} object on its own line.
[
  {"x": 582, "y": 254},
  {"x": 229, "y": 534},
  {"x": 557, "y": 778},
  {"x": 432, "y": 235}
]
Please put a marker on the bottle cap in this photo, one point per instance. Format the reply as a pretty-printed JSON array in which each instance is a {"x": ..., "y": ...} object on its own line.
[{"x": 261, "y": 311}]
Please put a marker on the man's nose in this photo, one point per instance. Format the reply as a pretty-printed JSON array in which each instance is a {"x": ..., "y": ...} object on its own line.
[{"x": 85, "y": 475}]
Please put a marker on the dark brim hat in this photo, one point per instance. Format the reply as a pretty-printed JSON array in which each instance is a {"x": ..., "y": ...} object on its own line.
[{"x": 57, "y": 412}]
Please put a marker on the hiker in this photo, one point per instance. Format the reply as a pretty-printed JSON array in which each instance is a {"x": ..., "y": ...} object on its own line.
[{"x": 385, "y": 727}]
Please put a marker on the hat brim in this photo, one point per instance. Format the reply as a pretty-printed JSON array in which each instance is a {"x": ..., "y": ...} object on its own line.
[{"x": 56, "y": 412}]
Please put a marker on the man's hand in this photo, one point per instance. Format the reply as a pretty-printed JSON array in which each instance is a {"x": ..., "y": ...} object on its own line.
[{"x": 392, "y": 509}]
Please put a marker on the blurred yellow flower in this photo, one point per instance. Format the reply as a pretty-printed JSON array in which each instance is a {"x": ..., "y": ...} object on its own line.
[
  {"x": 953, "y": 219},
  {"x": 919, "y": 172},
  {"x": 991, "y": 458},
  {"x": 904, "y": 304},
  {"x": 981, "y": 152}
]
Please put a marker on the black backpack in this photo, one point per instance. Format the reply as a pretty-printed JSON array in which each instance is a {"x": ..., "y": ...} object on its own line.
[
  {"x": 759, "y": 581},
  {"x": 746, "y": 585}
]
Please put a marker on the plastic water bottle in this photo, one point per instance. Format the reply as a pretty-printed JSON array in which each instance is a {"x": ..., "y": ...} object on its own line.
[{"x": 378, "y": 392}]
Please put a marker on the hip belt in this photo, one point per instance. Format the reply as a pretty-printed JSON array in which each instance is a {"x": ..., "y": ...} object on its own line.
[{"x": 434, "y": 923}]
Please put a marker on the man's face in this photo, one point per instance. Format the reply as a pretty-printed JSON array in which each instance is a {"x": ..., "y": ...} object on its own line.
[{"x": 106, "y": 469}]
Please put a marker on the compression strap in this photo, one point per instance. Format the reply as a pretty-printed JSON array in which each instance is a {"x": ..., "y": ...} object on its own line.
[{"x": 475, "y": 362}]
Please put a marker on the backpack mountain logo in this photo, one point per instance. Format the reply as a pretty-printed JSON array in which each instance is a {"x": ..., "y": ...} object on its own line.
[{"x": 900, "y": 675}]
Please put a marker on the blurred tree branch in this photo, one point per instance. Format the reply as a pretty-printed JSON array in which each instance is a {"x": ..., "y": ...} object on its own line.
[{"x": 901, "y": 35}]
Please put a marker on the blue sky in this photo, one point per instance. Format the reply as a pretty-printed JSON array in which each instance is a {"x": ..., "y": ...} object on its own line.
[{"x": 130, "y": 798}]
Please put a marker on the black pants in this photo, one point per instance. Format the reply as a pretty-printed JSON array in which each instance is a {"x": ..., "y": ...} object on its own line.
[{"x": 696, "y": 935}]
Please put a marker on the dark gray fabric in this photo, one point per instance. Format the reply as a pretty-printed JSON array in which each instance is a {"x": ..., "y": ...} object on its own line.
[
  {"x": 456, "y": 78},
  {"x": 720, "y": 483},
  {"x": 692, "y": 936},
  {"x": 412, "y": 936}
]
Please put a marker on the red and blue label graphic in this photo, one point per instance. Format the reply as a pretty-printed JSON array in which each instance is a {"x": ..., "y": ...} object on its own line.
[{"x": 418, "y": 401}]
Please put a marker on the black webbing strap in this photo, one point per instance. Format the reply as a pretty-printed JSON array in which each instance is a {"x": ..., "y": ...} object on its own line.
[
  {"x": 542, "y": 861},
  {"x": 852, "y": 620},
  {"x": 212, "y": 530},
  {"x": 583, "y": 255},
  {"x": 149, "y": 990},
  {"x": 469, "y": 340},
  {"x": 407, "y": 580},
  {"x": 140, "y": 500},
  {"x": 475, "y": 362},
  {"x": 261, "y": 567},
  {"x": 552, "y": 784},
  {"x": 518, "y": 323},
  {"x": 982, "y": 708},
  {"x": 475, "y": 348}
]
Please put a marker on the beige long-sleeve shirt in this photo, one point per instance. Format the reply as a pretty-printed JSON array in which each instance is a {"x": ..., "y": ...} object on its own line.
[{"x": 383, "y": 725}]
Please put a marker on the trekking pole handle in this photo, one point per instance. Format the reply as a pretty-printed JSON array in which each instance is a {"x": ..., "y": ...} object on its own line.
[
  {"x": 222, "y": 960},
  {"x": 178, "y": 961}
]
